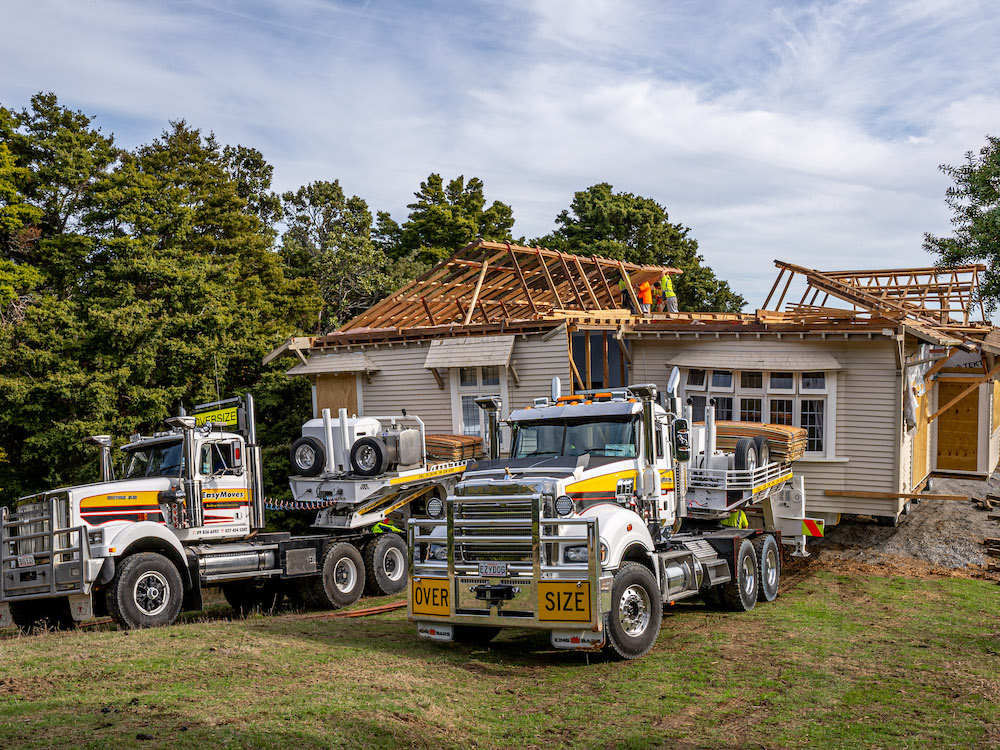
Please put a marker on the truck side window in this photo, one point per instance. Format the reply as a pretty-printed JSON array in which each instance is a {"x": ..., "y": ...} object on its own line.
[{"x": 216, "y": 458}]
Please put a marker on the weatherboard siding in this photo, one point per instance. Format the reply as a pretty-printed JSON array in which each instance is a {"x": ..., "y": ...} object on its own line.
[{"x": 402, "y": 382}]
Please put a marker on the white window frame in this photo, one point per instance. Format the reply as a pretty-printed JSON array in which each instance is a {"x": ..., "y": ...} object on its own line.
[
  {"x": 796, "y": 395},
  {"x": 731, "y": 388},
  {"x": 700, "y": 388},
  {"x": 457, "y": 391}
]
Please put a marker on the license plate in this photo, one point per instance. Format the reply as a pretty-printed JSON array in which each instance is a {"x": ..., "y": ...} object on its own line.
[
  {"x": 429, "y": 596},
  {"x": 564, "y": 601},
  {"x": 25, "y": 561},
  {"x": 492, "y": 570}
]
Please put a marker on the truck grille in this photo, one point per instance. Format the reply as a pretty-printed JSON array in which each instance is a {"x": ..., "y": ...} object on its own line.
[{"x": 496, "y": 517}]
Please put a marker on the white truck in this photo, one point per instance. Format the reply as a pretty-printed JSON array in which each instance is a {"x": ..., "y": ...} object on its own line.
[
  {"x": 597, "y": 519},
  {"x": 189, "y": 512}
]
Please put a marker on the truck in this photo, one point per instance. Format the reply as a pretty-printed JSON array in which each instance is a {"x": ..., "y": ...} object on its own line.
[
  {"x": 188, "y": 514},
  {"x": 598, "y": 518}
]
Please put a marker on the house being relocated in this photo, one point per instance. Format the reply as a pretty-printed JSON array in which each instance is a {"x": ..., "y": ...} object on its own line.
[{"x": 896, "y": 382}]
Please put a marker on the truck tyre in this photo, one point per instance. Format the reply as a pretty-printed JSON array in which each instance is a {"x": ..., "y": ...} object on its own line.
[
  {"x": 633, "y": 623},
  {"x": 307, "y": 456},
  {"x": 745, "y": 458},
  {"x": 763, "y": 450},
  {"x": 385, "y": 565},
  {"x": 146, "y": 592},
  {"x": 41, "y": 614},
  {"x": 740, "y": 594},
  {"x": 245, "y": 597},
  {"x": 369, "y": 457},
  {"x": 768, "y": 567},
  {"x": 475, "y": 635},
  {"x": 342, "y": 578}
]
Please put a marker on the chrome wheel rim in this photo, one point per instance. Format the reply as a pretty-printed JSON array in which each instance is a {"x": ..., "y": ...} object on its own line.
[
  {"x": 394, "y": 564},
  {"x": 304, "y": 456},
  {"x": 151, "y": 593},
  {"x": 634, "y": 611},
  {"x": 771, "y": 568},
  {"x": 749, "y": 575},
  {"x": 366, "y": 458},
  {"x": 345, "y": 575}
]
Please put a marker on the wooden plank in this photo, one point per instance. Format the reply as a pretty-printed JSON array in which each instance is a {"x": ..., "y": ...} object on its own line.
[
  {"x": 586, "y": 283},
  {"x": 605, "y": 364},
  {"x": 475, "y": 293},
  {"x": 572, "y": 364},
  {"x": 604, "y": 280},
  {"x": 937, "y": 366},
  {"x": 628, "y": 286},
  {"x": 586, "y": 360},
  {"x": 548, "y": 278},
  {"x": 972, "y": 386},
  {"x": 427, "y": 308},
  {"x": 892, "y": 495},
  {"x": 524, "y": 284},
  {"x": 572, "y": 282},
  {"x": 781, "y": 272}
]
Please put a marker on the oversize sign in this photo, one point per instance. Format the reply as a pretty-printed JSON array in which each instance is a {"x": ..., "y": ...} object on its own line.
[{"x": 430, "y": 596}]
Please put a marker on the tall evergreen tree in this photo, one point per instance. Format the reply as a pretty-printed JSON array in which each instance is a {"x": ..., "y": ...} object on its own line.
[{"x": 638, "y": 230}]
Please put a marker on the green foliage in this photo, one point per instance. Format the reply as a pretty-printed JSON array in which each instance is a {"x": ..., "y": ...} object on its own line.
[
  {"x": 15, "y": 212},
  {"x": 253, "y": 175},
  {"x": 637, "y": 230},
  {"x": 329, "y": 240},
  {"x": 173, "y": 294},
  {"x": 974, "y": 200},
  {"x": 444, "y": 219}
]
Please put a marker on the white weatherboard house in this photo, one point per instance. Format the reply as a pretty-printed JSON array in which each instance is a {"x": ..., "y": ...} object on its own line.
[{"x": 896, "y": 385}]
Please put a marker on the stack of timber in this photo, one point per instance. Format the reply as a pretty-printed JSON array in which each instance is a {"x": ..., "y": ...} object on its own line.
[
  {"x": 993, "y": 550},
  {"x": 785, "y": 442},
  {"x": 454, "y": 447}
]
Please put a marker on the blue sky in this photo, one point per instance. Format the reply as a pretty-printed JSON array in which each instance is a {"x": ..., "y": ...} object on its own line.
[{"x": 806, "y": 131}]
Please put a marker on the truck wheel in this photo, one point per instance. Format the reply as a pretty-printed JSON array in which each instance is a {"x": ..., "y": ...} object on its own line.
[
  {"x": 740, "y": 594},
  {"x": 264, "y": 595},
  {"x": 41, "y": 614},
  {"x": 475, "y": 635},
  {"x": 745, "y": 456},
  {"x": 763, "y": 450},
  {"x": 369, "y": 457},
  {"x": 768, "y": 567},
  {"x": 146, "y": 592},
  {"x": 342, "y": 580},
  {"x": 385, "y": 565},
  {"x": 633, "y": 623},
  {"x": 307, "y": 456}
]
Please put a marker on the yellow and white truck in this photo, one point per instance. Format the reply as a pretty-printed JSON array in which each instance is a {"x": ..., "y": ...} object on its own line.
[
  {"x": 598, "y": 518},
  {"x": 188, "y": 512}
]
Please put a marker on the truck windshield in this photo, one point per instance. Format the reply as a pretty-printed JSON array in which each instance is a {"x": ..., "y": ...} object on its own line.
[
  {"x": 553, "y": 438},
  {"x": 159, "y": 460}
]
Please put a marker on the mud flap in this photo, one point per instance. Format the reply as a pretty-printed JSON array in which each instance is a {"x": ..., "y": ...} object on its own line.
[
  {"x": 5, "y": 619},
  {"x": 585, "y": 640},
  {"x": 436, "y": 631},
  {"x": 81, "y": 606}
]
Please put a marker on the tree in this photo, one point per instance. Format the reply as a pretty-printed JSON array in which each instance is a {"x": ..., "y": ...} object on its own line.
[
  {"x": 253, "y": 175},
  {"x": 329, "y": 240},
  {"x": 637, "y": 230},
  {"x": 975, "y": 203},
  {"x": 179, "y": 299},
  {"x": 444, "y": 219}
]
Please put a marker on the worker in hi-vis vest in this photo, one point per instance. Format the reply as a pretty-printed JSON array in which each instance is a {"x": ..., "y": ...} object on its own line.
[{"x": 669, "y": 295}]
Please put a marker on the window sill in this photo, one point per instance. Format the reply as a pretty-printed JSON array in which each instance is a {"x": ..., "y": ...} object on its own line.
[{"x": 822, "y": 460}]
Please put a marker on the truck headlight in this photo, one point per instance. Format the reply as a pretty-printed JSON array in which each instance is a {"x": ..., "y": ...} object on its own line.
[
  {"x": 435, "y": 508},
  {"x": 96, "y": 538},
  {"x": 437, "y": 552},
  {"x": 564, "y": 505},
  {"x": 575, "y": 554}
]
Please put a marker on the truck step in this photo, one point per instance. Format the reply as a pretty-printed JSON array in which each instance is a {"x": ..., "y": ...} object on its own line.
[{"x": 221, "y": 577}]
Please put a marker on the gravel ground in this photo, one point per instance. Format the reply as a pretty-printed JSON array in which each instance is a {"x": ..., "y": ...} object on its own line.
[{"x": 942, "y": 533}]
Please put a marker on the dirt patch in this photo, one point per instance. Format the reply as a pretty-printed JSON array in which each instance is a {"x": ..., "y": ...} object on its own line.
[{"x": 939, "y": 538}]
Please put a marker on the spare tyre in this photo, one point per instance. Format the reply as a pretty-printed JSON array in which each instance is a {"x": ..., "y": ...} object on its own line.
[
  {"x": 307, "y": 456},
  {"x": 763, "y": 450},
  {"x": 746, "y": 457},
  {"x": 369, "y": 457}
]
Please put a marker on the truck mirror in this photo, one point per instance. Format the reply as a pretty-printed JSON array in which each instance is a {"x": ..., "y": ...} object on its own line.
[{"x": 682, "y": 440}]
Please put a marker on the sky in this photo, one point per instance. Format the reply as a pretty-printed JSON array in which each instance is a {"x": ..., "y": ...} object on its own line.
[{"x": 810, "y": 132}]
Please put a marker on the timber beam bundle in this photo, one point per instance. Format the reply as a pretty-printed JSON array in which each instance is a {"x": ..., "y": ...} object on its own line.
[{"x": 493, "y": 283}]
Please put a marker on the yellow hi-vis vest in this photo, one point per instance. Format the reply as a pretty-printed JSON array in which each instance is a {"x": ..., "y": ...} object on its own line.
[
  {"x": 738, "y": 520},
  {"x": 667, "y": 285}
]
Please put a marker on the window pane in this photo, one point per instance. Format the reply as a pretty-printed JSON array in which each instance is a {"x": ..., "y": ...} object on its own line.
[
  {"x": 782, "y": 410},
  {"x": 813, "y": 381},
  {"x": 470, "y": 417},
  {"x": 752, "y": 379},
  {"x": 722, "y": 379},
  {"x": 696, "y": 377},
  {"x": 697, "y": 408},
  {"x": 491, "y": 375},
  {"x": 467, "y": 376},
  {"x": 812, "y": 421},
  {"x": 724, "y": 408},
  {"x": 783, "y": 380},
  {"x": 751, "y": 409}
]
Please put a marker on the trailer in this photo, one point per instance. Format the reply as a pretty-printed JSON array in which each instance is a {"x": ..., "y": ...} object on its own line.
[
  {"x": 188, "y": 514},
  {"x": 598, "y": 518}
]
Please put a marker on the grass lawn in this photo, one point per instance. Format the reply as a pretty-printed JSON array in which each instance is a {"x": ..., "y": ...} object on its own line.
[{"x": 835, "y": 662}]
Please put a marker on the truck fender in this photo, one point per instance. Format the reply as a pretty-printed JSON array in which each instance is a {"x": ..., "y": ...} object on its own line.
[
  {"x": 146, "y": 536},
  {"x": 625, "y": 535}
]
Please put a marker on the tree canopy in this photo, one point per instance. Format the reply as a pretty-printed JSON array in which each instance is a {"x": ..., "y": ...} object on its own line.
[
  {"x": 974, "y": 200},
  {"x": 638, "y": 230}
]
